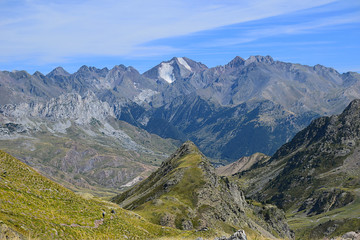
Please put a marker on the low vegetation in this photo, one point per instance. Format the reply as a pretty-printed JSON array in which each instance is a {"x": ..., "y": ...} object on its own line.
[{"x": 37, "y": 208}]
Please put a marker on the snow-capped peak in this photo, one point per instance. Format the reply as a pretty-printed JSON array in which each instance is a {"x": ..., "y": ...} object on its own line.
[{"x": 184, "y": 63}]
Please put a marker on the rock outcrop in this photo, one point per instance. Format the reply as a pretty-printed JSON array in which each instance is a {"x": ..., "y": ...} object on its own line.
[{"x": 239, "y": 235}]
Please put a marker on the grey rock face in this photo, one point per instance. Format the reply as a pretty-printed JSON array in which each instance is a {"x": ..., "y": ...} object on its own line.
[
  {"x": 351, "y": 236},
  {"x": 8, "y": 233}
]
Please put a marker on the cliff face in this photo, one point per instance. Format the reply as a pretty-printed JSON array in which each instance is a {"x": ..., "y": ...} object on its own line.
[{"x": 186, "y": 193}]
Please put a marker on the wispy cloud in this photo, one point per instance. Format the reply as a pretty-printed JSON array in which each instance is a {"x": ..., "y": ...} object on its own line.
[
  {"x": 251, "y": 35},
  {"x": 50, "y": 31}
]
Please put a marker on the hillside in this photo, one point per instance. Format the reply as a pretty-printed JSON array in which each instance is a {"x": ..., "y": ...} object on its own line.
[
  {"x": 34, "y": 207},
  {"x": 79, "y": 142},
  {"x": 315, "y": 177},
  {"x": 185, "y": 193}
]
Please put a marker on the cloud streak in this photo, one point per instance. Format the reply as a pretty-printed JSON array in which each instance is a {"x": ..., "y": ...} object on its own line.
[
  {"x": 252, "y": 35},
  {"x": 54, "y": 31}
]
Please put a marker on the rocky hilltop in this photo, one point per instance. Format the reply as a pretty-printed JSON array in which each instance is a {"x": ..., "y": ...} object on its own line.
[
  {"x": 315, "y": 177},
  {"x": 186, "y": 193}
]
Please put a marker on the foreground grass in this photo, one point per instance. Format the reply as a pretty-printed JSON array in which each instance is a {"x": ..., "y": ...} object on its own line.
[{"x": 38, "y": 208}]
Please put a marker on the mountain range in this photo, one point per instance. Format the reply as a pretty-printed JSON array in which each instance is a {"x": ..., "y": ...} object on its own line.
[{"x": 243, "y": 107}]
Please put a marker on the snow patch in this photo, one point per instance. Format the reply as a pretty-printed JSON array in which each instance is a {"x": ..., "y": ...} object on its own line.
[
  {"x": 166, "y": 72},
  {"x": 184, "y": 63}
]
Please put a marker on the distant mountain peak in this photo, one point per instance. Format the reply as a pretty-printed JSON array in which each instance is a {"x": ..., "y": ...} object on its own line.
[
  {"x": 175, "y": 68},
  {"x": 38, "y": 74},
  {"x": 260, "y": 59},
  {"x": 59, "y": 71},
  {"x": 236, "y": 62},
  {"x": 83, "y": 68}
]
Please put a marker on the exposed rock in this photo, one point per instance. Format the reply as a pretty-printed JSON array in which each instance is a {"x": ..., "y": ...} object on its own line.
[
  {"x": 168, "y": 220},
  {"x": 239, "y": 235},
  {"x": 351, "y": 236},
  {"x": 6, "y": 233},
  {"x": 186, "y": 224}
]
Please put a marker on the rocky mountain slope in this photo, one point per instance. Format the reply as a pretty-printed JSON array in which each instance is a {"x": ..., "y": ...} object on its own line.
[
  {"x": 34, "y": 207},
  {"x": 79, "y": 142},
  {"x": 315, "y": 177},
  {"x": 186, "y": 193},
  {"x": 243, "y": 164},
  {"x": 257, "y": 103}
]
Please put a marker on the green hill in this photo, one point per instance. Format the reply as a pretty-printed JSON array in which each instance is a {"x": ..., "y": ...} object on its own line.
[{"x": 34, "y": 207}]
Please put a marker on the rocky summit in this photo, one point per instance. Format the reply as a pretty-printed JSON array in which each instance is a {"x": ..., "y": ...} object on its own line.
[{"x": 186, "y": 193}]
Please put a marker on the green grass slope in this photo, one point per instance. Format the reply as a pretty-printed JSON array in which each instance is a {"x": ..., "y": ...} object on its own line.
[{"x": 34, "y": 207}]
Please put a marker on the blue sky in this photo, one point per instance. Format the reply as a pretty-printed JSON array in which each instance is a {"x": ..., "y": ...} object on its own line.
[{"x": 43, "y": 34}]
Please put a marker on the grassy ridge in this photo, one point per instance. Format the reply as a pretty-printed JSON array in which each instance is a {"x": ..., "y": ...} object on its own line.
[{"x": 38, "y": 208}]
